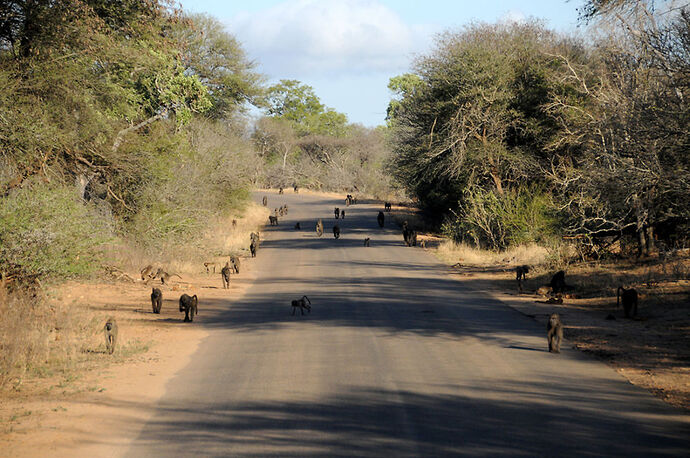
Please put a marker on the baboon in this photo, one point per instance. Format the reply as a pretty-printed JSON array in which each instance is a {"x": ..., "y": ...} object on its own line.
[
  {"x": 298, "y": 227},
  {"x": 156, "y": 300},
  {"x": 189, "y": 305},
  {"x": 521, "y": 272},
  {"x": 554, "y": 333},
  {"x": 366, "y": 241},
  {"x": 225, "y": 274},
  {"x": 275, "y": 212},
  {"x": 336, "y": 231},
  {"x": 303, "y": 303},
  {"x": 280, "y": 191},
  {"x": 296, "y": 189},
  {"x": 319, "y": 228},
  {"x": 422, "y": 243},
  {"x": 412, "y": 238},
  {"x": 558, "y": 282},
  {"x": 544, "y": 291},
  {"x": 110, "y": 332},
  {"x": 235, "y": 263},
  {"x": 629, "y": 299},
  {"x": 336, "y": 211},
  {"x": 165, "y": 276},
  {"x": 380, "y": 218},
  {"x": 348, "y": 200},
  {"x": 387, "y": 206},
  {"x": 147, "y": 271},
  {"x": 208, "y": 266},
  {"x": 234, "y": 224},
  {"x": 342, "y": 214},
  {"x": 265, "y": 201},
  {"x": 281, "y": 211},
  {"x": 252, "y": 248},
  {"x": 273, "y": 220},
  {"x": 254, "y": 237}
]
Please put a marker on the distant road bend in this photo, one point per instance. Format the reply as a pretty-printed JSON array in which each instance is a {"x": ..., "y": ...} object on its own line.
[{"x": 395, "y": 359}]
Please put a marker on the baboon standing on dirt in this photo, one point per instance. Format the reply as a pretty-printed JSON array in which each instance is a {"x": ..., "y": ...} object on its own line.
[
  {"x": 629, "y": 299},
  {"x": 319, "y": 228},
  {"x": 520, "y": 275},
  {"x": 156, "y": 300},
  {"x": 235, "y": 263},
  {"x": 252, "y": 248},
  {"x": 336, "y": 231},
  {"x": 110, "y": 332},
  {"x": 189, "y": 305},
  {"x": 558, "y": 282},
  {"x": 225, "y": 275},
  {"x": 380, "y": 218},
  {"x": 554, "y": 333}
]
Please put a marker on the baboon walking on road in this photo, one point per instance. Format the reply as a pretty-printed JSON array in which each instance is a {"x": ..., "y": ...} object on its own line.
[
  {"x": 319, "y": 228},
  {"x": 366, "y": 241},
  {"x": 554, "y": 333},
  {"x": 336, "y": 212},
  {"x": 225, "y": 274},
  {"x": 235, "y": 264},
  {"x": 387, "y": 206},
  {"x": 156, "y": 300},
  {"x": 336, "y": 231},
  {"x": 520, "y": 275},
  {"x": 189, "y": 305},
  {"x": 302, "y": 304},
  {"x": 629, "y": 299},
  {"x": 298, "y": 226},
  {"x": 380, "y": 218},
  {"x": 252, "y": 248},
  {"x": 110, "y": 332},
  {"x": 342, "y": 214},
  {"x": 280, "y": 191},
  {"x": 558, "y": 282},
  {"x": 265, "y": 201},
  {"x": 273, "y": 220}
]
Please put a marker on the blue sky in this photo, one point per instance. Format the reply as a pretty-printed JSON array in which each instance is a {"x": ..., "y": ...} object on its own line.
[{"x": 348, "y": 49}]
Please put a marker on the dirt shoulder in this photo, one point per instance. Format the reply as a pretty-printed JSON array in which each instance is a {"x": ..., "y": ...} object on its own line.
[{"x": 69, "y": 417}]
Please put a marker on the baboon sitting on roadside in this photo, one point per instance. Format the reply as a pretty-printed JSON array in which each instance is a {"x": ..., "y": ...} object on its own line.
[
  {"x": 147, "y": 272},
  {"x": 156, "y": 300},
  {"x": 366, "y": 241},
  {"x": 273, "y": 220},
  {"x": 336, "y": 212},
  {"x": 380, "y": 219},
  {"x": 336, "y": 231},
  {"x": 110, "y": 332},
  {"x": 558, "y": 282},
  {"x": 225, "y": 274},
  {"x": 303, "y": 303},
  {"x": 629, "y": 299},
  {"x": 265, "y": 201},
  {"x": 189, "y": 305},
  {"x": 235, "y": 263},
  {"x": 298, "y": 226},
  {"x": 319, "y": 228},
  {"x": 252, "y": 248},
  {"x": 554, "y": 333}
]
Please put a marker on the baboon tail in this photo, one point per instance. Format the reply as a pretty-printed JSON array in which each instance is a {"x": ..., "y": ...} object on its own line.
[{"x": 307, "y": 300}]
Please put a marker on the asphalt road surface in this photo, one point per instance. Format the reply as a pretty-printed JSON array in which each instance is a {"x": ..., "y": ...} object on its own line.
[{"x": 396, "y": 358}]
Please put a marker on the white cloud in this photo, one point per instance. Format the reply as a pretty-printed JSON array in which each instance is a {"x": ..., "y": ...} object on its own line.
[
  {"x": 513, "y": 16},
  {"x": 328, "y": 37}
]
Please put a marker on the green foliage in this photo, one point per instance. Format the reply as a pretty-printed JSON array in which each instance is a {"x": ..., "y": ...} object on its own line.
[
  {"x": 490, "y": 220},
  {"x": 46, "y": 231}
]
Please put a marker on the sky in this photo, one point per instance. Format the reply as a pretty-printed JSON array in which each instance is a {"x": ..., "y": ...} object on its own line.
[{"x": 347, "y": 50}]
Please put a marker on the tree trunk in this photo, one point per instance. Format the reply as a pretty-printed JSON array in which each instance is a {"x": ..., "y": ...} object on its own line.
[{"x": 651, "y": 245}]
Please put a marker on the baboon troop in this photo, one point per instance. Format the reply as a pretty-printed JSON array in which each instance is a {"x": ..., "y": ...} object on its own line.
[
  {"x": 273, "y": 220},
  {"x": 280, "y": 191},
  {"x": 110, "y": 332},
  {"x": 558, "y": 282},
  {"x": 387, "y": 206},
  {"x": 156, "y": 300},
  {"x": 235, "y": 264},
  {"x": 629, "y": 299},
  {"x": 147, "y": 272},
  {"x": 225, "y": 275},
  {"x": 336, "y": 231},
  {"x": 319, "y": 228},
  {"x": 265, "y": 201},
  {"x": 554, "y": 333},
  {"x": 303, "y": 303},
  {"x": 366, "y": 241},
  {"x": 380, "y": 218},
  {"x": 208, "y": 266},
  {"x": 189, "y": 305},
  {"x": 298, "y": 226},
  {"x": 336, "y": 212}
]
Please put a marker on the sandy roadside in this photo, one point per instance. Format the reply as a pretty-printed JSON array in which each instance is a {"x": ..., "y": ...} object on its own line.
[{"x": 103, "y": 410}]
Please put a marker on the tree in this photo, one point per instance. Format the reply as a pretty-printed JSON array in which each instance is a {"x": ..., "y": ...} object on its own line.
[{"x": 292, "y": 100}]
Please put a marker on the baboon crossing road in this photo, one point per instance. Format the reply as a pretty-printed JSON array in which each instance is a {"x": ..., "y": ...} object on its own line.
[
  {"x": 110, "y": 332},
  {"x": 380, "y": 219},
  {"x": 629, "y": 299},
  {"x": 156, "y": 300}
]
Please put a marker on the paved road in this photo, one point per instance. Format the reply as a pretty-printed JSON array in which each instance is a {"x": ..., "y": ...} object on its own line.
[{"x": 396, "y": 358}]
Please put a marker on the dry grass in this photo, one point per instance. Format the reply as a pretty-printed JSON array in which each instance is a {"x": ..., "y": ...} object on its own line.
[{"x": 459, "y": 253}]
